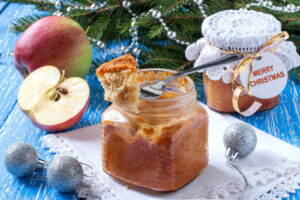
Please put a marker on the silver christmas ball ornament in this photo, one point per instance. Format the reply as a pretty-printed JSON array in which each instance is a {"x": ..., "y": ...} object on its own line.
[
  {"x": 21, "y": 159},
  {"x": 65, "y": 173},
  {"x": 240, "y": 138},
  {"x": 126, "y": 4}
]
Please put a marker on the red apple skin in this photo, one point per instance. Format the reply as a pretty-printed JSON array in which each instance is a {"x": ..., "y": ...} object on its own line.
[
  {"x": 57, "y": 41},
  {"x": 62, "y": 126}
]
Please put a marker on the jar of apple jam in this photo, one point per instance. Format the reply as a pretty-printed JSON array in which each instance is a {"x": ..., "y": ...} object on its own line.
[{"x": 164, "y": 146}]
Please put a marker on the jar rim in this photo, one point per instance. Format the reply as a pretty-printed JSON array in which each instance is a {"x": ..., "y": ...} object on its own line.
[{"x": 172, "y": 71}]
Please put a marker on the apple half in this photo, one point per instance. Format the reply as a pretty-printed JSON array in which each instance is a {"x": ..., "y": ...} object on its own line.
[{"x": 52, "y": 102}]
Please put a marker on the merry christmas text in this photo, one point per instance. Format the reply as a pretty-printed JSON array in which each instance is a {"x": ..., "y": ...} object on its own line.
[{"x": 265, "y": 79}]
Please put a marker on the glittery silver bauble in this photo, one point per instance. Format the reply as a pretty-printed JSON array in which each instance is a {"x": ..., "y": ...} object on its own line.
[
  {"x": 69, "y": 9},
  {"x": 126, "y": 4},
  {"x": 64, "y": 173},
  {"x": 21, "y": 159},
  {"x": 171, "y": 34},
  {"x": 241, "y": 138},
  {"x": 156, "y": 14},
  {"x": 58, "y": 5}
]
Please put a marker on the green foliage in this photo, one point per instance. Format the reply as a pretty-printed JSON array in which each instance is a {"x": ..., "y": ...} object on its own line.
[
  {"x": 20, "y": 24},
  {"x": 182, "y": 16}
]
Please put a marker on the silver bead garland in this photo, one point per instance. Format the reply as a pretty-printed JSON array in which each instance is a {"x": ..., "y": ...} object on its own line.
[
  {"x": 156, "y": 14},
  {"x": 199, "y": 3},
  {"x": 3, "y": 55},
  {"x": 290, "y": 8}
]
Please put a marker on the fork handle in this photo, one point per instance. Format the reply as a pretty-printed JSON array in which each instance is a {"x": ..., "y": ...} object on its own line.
[{"x": 220, "y": 61}]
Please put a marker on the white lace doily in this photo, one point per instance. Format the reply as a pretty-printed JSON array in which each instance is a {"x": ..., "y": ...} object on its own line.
[
  {"x": 239, "y": 30},
  {"x": 273, "y": 172}
]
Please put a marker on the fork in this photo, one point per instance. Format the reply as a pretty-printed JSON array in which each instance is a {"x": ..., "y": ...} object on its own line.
[{"x": 155, "y": 90}]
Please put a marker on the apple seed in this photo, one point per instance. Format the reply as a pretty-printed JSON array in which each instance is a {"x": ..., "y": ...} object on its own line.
[
  {"x": 63, "y": 90},
  {"x": 57, "y": 97}
]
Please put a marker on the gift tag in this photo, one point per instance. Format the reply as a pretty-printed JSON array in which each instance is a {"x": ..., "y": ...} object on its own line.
[{"x": 268, "y": 76}]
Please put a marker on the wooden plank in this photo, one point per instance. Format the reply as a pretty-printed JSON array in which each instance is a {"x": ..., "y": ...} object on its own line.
[
  {"x": 3, "y": 5},
  {"x": 14, "y": 125},
  {"x": 9, "y": 77},
  {"x": 282, "y": 121}
]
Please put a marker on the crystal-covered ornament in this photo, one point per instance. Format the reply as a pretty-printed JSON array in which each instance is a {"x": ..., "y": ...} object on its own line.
[
  {"x": 21, "y": 159},
  {"x": 65, "y": 173}
]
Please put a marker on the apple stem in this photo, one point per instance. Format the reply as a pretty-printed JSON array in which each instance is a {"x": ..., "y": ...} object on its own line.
[
  {"x": 62, "y": 76},
  {"x": 56, "y": 92}
]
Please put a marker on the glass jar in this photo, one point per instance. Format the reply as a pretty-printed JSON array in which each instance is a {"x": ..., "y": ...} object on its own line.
[
  {"x": 237, "y": 31},
  {"x": 164, "y": 146}
]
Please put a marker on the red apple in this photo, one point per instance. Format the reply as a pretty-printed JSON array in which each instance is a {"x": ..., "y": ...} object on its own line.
[
  {"x": 52, "y": 102},
  {"x": 57, "y": 41}
]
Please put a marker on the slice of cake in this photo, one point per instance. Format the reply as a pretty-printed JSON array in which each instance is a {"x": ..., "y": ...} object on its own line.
[{"x": 119, "y": 80}]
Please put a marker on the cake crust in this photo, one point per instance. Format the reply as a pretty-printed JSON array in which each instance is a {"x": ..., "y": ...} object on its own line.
[
  {"x": 119, "y": 80},
  {"x": 176, "y": 155},
  {"x": 125, "y": 62}
]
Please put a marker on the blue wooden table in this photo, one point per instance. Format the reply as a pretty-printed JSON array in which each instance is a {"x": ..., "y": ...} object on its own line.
[{"x": 282, "y": 121}]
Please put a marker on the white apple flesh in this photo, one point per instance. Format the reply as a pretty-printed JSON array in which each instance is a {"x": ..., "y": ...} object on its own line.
[{"x": 51, "y": 104}]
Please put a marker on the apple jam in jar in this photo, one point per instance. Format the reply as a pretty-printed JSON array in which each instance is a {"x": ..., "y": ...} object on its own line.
[{"x": 164, "y": 146}]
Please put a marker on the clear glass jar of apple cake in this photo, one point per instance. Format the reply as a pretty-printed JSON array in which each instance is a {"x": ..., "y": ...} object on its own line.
[{"x": 164, "y": 146}]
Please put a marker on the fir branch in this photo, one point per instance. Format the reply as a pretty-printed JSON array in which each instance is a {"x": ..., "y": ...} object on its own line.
[
  {"x": 184, "y": 66},
  {"x": 172, "y": 5},
  {"x": 21, "y": 24},
  {"x": 96, "y": 29},
  {"x": 155, "y": 31},
  {"x": 115, "y": 23},
  {"x": 182, "y": 16}
]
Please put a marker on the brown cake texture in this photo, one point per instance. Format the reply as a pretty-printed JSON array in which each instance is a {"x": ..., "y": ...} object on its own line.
[
  {"x": 219, "y": 97},
  {"x": 164, "y": 145},
  {"x": 119, "y": 80},
  {"x": 162, "y": 157}
]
